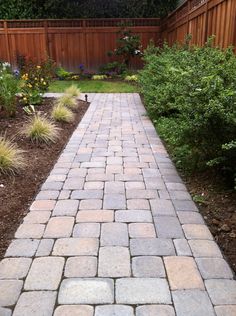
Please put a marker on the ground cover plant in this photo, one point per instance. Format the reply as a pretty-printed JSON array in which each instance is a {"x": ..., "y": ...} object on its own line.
[
  {"x": 190, "y": 93},
  {"x": 98, "y": 86}
]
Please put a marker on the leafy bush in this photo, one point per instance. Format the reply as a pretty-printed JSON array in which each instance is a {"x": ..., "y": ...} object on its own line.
[
  {"x": 73, "y": 91},
  {"x": 40, "y": 129},
  {"x": 195, "y": 87},
  {"x": 8, "y": 90},
  {"x": 35, "y": 80},
  {"x": 113, "y": 69},
  {"x": 99, "y": 77},
  {"x": 131, "y": 78},
  {"x": 62, "y": 114},
  {"x": 62, "y": 74},
  {"x": 68, "y": 101},
  {"x": 11, "y": 157}
]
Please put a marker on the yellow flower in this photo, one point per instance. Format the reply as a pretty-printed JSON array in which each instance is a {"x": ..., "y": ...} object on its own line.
[
  {"x": 42, "y": 79},
  {"x": 30, "y": 85},
  {"x": 38, "y": 67},
  {"x": 35, "y": 79},
  {"x": 44, "y": 83},
  {"x": 25, "y": 99}
]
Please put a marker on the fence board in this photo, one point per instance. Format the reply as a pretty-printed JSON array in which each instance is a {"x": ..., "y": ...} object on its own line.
[
  {"x": 71, "y": 42},
  {"x": 201, "y": 19}
]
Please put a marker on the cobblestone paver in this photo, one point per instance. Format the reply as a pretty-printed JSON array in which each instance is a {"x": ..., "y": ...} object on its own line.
[{"x": 113, "y": 230}]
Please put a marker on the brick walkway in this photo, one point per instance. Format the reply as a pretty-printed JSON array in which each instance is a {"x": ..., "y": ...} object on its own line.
[{"x": 113, "y": 231}]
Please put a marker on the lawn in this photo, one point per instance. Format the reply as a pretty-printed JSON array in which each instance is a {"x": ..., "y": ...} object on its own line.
[{"x": 95, "y": 86}]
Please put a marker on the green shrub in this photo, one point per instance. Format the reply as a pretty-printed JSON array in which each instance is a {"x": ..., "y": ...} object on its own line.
[
  {"x": 8, "y": 89},
  {"x": 196, "y": 87},
  {"x": 62, "y": 74},
  {"x": 113, "y": 69},
  {"x": 11, "y": 157},
  {"x": 68, "y": 101},
  {"x": 40, "y": 129},
  {"x": 131, "y": 78},
  {"x": 62, "y": 114},
  {"x": 73, "y": 91},
  {"x": 99, "y": 77}
]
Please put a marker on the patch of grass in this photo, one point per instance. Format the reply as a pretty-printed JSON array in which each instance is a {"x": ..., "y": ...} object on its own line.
[
  {"x": 40, "y": 129},
  {"x": 11, "y": 157},
  {"x": 98, "y": 86},
  {"x": 73, "y": 91},
  {"x": 68, "y": 101},
  {"x": 62, "y": 114}
]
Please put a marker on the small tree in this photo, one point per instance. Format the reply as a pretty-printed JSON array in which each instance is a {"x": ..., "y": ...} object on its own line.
[{"x": 128, "y": 46}]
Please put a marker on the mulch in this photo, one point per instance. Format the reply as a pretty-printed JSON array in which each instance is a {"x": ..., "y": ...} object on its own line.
[{"x": 17, "y": 192}]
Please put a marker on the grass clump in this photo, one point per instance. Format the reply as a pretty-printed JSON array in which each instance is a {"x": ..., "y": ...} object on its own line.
[
  {"x": 41, "y": 130},
  {"x": 67, "y": 101},
  {"x": 62, "y": 114},
  {"x": 73, "y": 91},
  {"x": 11, "y": 157}
]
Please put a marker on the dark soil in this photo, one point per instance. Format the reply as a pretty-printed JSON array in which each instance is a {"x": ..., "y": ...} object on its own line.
[
  {"x": 17, "y": 192},
  {"x": 217, "y": 205}
]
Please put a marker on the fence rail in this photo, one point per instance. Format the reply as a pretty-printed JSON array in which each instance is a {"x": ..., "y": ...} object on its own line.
[
  {"x": 71, "y": 42},
  {"x": 87, "y": 41},
  {"x": 201, "y": 19}
]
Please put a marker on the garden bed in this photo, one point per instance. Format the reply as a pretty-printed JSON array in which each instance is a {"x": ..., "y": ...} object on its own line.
[
  {"x": 217, "y": 205},
  {"x": 17, "y": 192}
]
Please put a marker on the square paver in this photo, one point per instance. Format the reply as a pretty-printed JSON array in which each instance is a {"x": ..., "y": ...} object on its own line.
[
  {"x": 114, "y": 201},
  {"x": 114, "y": 234},
  {"x": 66, "y": 208},
  {"x": 14, "y": 268},
  {"x": 183, "y": 273},
  {"x": 81, "y": 267},
  {"x": 114, "y": 262},
  {"x": 114, "y": 187},
  {"x": 59, "y": 227},
  {"x": 45, "y": 273},
  {"x": 222, "y": 292},
  {"x": 168, "y": 227},
  {"x": 148, "y": 267},
  {"x": 162, "y": 207},
  {"x": 192, "y": 303},
  {"x": 142, "y": 230},
  {"x": 35, "y": 303},
  {"x": 10, "y": 291},
  {"x": 214, "y": 268}
]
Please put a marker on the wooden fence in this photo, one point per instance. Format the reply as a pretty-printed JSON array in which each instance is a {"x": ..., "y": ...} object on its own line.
[
  {"x": 87, "y": 41},
  {"x": 71, "y": 42},
  {"x": 201, "y": 19}
]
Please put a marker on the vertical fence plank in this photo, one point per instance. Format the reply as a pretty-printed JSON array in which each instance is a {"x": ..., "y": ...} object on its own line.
[{"x": 7, "y": 41}]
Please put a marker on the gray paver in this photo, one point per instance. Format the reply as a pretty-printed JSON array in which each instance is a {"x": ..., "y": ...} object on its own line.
[
  {"x": 10, "y": 291},
  {"x": 86, "y": 230},
  {"x": 114, "y": 202},
  {"x": 35, "y": 303},
  {"x": 168, "y": 227},
  {"x": 22, "y": 248},
  {"x": 44, "y": 274},
  {"x": 114, "y": 234},
  {"x": 148, "y": 267},
  {"x": 229, "y": 310},
  {"x": 151, "y": 247},
  {"x": 162, "y": 207},
  {"x": 133, "y": 216},
  {"x": 75, "y": 247},
  {"x": 155, "y": 310},
  {"x": 81, "y": 267},
  {"x": 5, "y": 311},
  {"x": 214, "y": 268},
  {"x": 192, "y": 303},
  {"x": 222, "y": 292},
  {"x": 142, "y": 291},
  {"x": 114, "y": 262},
  {"x": 66, "y": 208},
  {"x": 14, "y": 268},
  {"x": 86, "y": 291}
]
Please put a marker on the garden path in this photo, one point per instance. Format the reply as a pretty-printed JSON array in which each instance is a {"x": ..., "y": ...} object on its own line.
[{"x": 113, "y": 230}]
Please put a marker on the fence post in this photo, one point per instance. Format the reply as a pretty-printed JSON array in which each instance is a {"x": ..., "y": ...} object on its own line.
[
  {"x": 206, "y": 23},
  {"x": 46, "y": 38},
  {"x": 7, "y": 41}
]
